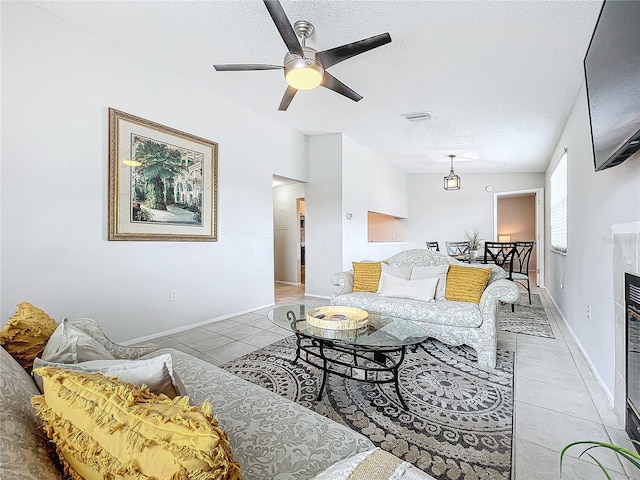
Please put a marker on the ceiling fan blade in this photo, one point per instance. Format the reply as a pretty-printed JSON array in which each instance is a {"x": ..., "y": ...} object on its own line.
[
  {"x": 284, "y": 26},
  {"x": 242, "y": 67},
  {"x": 286, "y": 98},
  {"x": 336, "y": 55},
  {"x": 332, "y": 83}
]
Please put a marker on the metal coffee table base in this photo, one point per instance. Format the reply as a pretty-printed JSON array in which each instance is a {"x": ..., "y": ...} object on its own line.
[{"x": 366, "y": 363}]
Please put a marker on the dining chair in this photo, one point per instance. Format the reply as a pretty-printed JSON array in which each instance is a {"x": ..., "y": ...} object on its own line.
[
  {"x": 458, "y": 249},
  {"x": 521, "y": 260},
  {"x": 433, "y": 246},
  {"x": 501, "y": 254}
]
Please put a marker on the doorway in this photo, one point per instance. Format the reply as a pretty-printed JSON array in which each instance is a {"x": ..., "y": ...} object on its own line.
[
  {"x": 519, "y": 217},
  {"x": 288, "y": 231},
  {"x": 301, "y": 223}
]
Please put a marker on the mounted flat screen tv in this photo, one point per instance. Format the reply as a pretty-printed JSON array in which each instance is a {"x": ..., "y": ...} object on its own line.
[{"x": 612, "y": 72}]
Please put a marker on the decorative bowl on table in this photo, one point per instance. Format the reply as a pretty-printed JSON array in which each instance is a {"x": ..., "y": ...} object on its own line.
[
  {"x": 335, "y": 317},
  {"x": 332, "y": 334}
]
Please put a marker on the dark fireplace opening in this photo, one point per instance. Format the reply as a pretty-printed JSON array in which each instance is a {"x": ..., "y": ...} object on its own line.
[{"x": 632, "y": 301}]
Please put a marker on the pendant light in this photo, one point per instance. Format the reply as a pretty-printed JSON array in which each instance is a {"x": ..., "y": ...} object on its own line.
[{"x": 452, "y": 181}]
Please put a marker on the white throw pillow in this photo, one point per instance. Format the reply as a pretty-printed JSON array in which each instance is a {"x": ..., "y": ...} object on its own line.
[
  {"x": 69, "y": 344},
  {"x": 400, "y": 272},
  {"x": 434, "y": 271},
  {"x": 156, "y": 372},
  {"x": 423, "y": 289}
]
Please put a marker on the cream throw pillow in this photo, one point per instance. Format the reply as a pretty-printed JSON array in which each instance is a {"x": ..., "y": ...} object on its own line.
[
  {"x": 423, "y": 289},
  {"x": 435, "y": 271},
  {"x": 156, "y": 372},
  {"x": 71, "y": 345},
  {"x": 400, "y": 272}
]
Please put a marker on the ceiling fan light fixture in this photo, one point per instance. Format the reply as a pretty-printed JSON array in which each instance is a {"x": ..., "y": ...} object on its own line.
[
  {"x": 303, "y": 73},
  {"x": 452, "y": 181}
]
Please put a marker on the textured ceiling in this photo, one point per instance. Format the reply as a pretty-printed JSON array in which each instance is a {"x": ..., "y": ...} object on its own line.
[{"x": 499, "y": 78}]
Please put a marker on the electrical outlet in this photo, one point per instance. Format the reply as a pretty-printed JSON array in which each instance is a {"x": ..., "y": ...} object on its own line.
[
  {"x": 589, "y": 312},
  {"x": 173, "y": 295}
]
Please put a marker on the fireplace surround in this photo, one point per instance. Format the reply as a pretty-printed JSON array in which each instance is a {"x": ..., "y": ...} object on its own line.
[
  {"x": 626, "y": 260},
  {"x": 632, "y": 305}
]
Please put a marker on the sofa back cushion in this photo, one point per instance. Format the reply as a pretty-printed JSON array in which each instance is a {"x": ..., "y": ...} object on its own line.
[
  {"x": 419, "y": 257},
  {"x": 24, "y": 444},
  {"x": 106, "y": 428},
  {"x": 423, "y": 257}
]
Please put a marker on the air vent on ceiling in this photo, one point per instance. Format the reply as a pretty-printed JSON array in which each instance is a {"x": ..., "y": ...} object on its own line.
[{"x": 417, "y": 116}]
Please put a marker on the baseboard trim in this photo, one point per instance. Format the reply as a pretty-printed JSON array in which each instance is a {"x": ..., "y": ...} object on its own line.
[
  {"x": 603, "y": 386},
  {"x": 182, "y": 328},
  {"x": 314, "y": 295}
]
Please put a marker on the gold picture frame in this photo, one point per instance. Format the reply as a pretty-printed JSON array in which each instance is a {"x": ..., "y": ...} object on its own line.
[{"x": 163, "y": 183}]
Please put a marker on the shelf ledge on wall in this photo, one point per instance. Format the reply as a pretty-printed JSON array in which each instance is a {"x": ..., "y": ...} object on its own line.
[{"x": 388, "y": 243}]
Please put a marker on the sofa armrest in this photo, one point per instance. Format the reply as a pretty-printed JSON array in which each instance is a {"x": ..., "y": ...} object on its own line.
[
  {"x": 344, "y": 280},
  {"x": 375, "y": 464},
  {"x": 502, "y": 290},
  {"x": 91, "y": 327}
]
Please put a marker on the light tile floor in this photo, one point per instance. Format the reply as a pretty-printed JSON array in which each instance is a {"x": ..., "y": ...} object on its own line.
[{"x": 557, "y": 399}]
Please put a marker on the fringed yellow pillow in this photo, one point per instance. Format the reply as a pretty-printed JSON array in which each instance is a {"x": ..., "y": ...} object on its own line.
[
  {"x": 466, "y": 284},
  {"x": 366, "y": 276},
  {"x": 103, "y": 427},
  {"x": 26, "y": 333}
]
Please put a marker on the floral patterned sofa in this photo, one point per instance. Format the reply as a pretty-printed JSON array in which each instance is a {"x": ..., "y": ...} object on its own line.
[
  {"x": 270, "y": 436},
  {"x": 451, "y": 322}
]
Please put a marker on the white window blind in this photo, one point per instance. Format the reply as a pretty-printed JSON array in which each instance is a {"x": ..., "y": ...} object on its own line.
[{"x": 558, "y": 187}]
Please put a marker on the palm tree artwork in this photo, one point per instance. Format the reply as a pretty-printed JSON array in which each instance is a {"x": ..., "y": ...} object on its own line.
[{"x": 167, "y": 186}]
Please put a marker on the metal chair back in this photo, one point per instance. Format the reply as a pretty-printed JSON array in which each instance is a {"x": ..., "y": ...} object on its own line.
[
  {"x": 522, "y": 257},
  {"x": 457, "y": 248},
  {"x": 501, "y": 254},
  {"x": 433, "y": 246}
]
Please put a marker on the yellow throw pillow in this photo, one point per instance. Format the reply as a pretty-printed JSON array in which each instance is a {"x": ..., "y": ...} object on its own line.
[
  {"x": 26, "y": 333},
  {"x": 466, "y": 284},
  {"x": 104, "y": 427},
  {"x": 366, "y": 276}
]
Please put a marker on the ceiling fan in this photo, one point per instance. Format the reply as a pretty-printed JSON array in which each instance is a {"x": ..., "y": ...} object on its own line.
[{"x": 304, "y": 67}]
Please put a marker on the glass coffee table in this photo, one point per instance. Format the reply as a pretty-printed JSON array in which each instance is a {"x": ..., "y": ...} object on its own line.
[{"x": 373, "y": 353}]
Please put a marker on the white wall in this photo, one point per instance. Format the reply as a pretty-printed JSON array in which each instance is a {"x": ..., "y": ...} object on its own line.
[
  {"x": 287, "y": 240},
  {"x": 596, "y": 201},
  {"x": 345, "y": 177},
  {"x": 57, "y": 84},
  {"x": 439, "y": 215},
  {"x": 369, "y": 183},
  {"x": 323, "y": 205}
]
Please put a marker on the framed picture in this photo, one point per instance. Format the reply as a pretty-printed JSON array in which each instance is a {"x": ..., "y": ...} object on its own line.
[{"x": 163, "y": 183}]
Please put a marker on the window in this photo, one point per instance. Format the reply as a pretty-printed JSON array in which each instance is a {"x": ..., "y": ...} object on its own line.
[{"x": 558, "y": 188}]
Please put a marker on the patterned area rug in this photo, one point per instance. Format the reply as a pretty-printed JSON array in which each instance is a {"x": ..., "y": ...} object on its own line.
[
  {"x": 527, "y": 319},
  {"x": 459, "y": 423}
]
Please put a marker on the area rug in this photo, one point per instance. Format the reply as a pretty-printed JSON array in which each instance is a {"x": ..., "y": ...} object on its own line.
[
  {"x": 459, "y": 423},
  {"x": 527, "y": 319}
]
